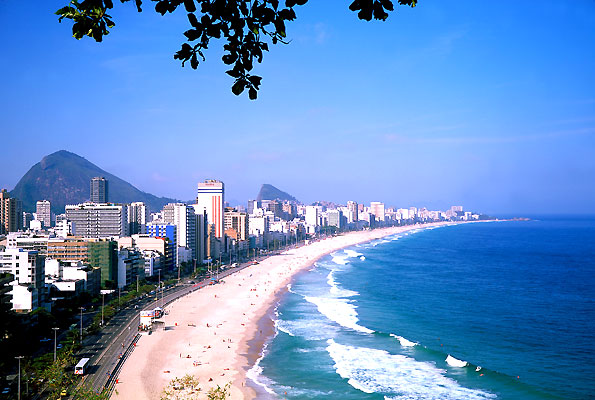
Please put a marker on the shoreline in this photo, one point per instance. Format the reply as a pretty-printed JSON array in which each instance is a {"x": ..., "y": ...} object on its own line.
[
  {"x": 256, "y": 347},
  {"x": 221, "y": 347}
]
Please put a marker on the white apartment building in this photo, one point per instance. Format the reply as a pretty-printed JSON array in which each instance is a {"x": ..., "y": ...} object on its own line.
[
  {"x": 258, "y": 225},
  {"x": 138, "y": 216},
  {"x": 184, "y": 218},
  {"x": 95, "y": 220},
  {"x": 28, "y": 242},
  {"x": 43, "y": 213},
  {"x": 27, "y": 267},
  {"x": 211, "y": 198},
  {"x": 312, "y": 215},
  {"x": 377, "y": 208},
  {"x": 352, "y": 212},
  {"x": 239, "y": 222}
]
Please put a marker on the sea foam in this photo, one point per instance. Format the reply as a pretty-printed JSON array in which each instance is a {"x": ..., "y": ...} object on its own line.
[
  {"x": 255, "y": 374},
  {"x": 336, "y": 290},
  {"x": 404, "y": 342},
  {"x": 342, "y": 311},
  {"x": 454, "y": 362},
  {"x": 397, "y": 376}
]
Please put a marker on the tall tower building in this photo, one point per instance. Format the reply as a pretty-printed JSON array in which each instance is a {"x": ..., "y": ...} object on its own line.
[
  {"x": 11, "y": 213},
  {"x": 138, "y": 216},
  {"x": 44, "y": 213},
  {"x": 184, "y": 218},
  {"x": 377, "y": 208},
  {"x": 99, "y": 190},
  {"x": 211, "y": 197},
  {"x": 353, "y": 211}
]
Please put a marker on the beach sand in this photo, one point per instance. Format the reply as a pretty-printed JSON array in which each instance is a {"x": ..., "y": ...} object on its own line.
[{"x": 217, "y": 333}]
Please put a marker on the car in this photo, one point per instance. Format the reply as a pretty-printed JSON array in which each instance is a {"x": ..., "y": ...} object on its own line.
[
  {"x": 63, "y": 393},
  {"x": 59, "y": 346},
  {"x": 5, "y": 390}
]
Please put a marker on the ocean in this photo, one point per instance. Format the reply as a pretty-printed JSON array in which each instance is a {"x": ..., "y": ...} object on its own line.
[{"x": 488, "y": 310}]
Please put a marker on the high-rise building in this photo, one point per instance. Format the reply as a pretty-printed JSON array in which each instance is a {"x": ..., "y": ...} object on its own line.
[
  {"x": 44, "y": 213},
  {"x": 238, "y": 221},
  {"x": 138, "y": 216},
  {"x": 11, "y": 213},
  {"x": 335, "y": 218},
  {"x": 211, "y": 197},
  {"x": 202, "y": 226},
  {"x": 312, "y": 215},
  {"x": 99, "y": 190},
  {"x": 353, "y": 211},
  {"x": 98, "y": 220},
  {"x": 184, "y": 218},
  {"x": 377, "y": 208},
  {"x": 289, "y": 210},
  {"x": 27, "y": 218},
  {"x": 252, "y": 205}
]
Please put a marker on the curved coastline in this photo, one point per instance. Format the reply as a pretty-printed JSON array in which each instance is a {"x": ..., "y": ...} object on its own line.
[{"x": 217, "y": 333}]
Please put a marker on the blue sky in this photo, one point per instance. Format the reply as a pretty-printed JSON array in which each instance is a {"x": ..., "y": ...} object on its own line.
[{"x": 486, "y": 104}]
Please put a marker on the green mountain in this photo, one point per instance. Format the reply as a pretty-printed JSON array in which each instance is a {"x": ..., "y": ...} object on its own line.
[
  {"x": 269, "y": 192},
  {"x": 64, "y": 178}
]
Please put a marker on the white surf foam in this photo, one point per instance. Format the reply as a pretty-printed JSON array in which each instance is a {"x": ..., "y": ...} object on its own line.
[
  {"x": 336, "y": 290},
  {"x": 362, "y": 258},
  {"x": 397, "y": 376},
  {"x": 282, "y": 326},
  {"x": 340, "y": 259},
  {"x": 255, "y": 374},
  {"x": 308, "y": 329},
  {"x": 342, "y": 311},
  {"x": 404, "y": 342},
  {"x": 352, "y": 253},
  {"x": 454, "y": 362}
]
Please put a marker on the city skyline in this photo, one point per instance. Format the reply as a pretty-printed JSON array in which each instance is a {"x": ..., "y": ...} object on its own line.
[{"x": 490, "y": 106}]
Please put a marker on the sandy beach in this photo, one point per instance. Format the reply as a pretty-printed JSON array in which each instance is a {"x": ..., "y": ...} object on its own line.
[{"x": 216, "y": 333}]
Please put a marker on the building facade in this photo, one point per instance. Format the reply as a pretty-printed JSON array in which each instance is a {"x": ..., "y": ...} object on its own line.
[
  {"x": 28, "y": 270},
  {"x": 184, "y": 218},
  {"x": 44, "y": 213},
  {"x": 169, "y": 233},
  {"x": 211, "y": 198},
  {"x": 238, "y": 221},
  {"x": 138, "y": 216},
  {"x": 11, "y": 213},
  {"x": 103, "y": 254},
  {"x": 98, "y": 220},
  {"x": 99, "y": 190}
]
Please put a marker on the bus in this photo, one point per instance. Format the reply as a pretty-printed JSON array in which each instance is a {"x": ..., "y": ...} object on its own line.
[{"x": 79, "y": 369}]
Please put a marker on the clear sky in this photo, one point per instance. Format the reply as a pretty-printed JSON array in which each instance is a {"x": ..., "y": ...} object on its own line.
[{"x": 488, "y": 104}]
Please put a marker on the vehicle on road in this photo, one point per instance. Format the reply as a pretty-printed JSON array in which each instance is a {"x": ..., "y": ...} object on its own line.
[{"x": 79, "y": 369}]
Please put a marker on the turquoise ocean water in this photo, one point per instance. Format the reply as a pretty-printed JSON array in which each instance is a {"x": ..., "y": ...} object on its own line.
[{"x": 380, "y": 320}]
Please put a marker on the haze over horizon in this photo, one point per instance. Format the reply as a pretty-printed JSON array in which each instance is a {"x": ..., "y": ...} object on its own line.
[{"x": 491, "y": 106}]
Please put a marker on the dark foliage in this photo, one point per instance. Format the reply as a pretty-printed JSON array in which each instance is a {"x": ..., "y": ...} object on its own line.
[{"x": 246, "y": 27}]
